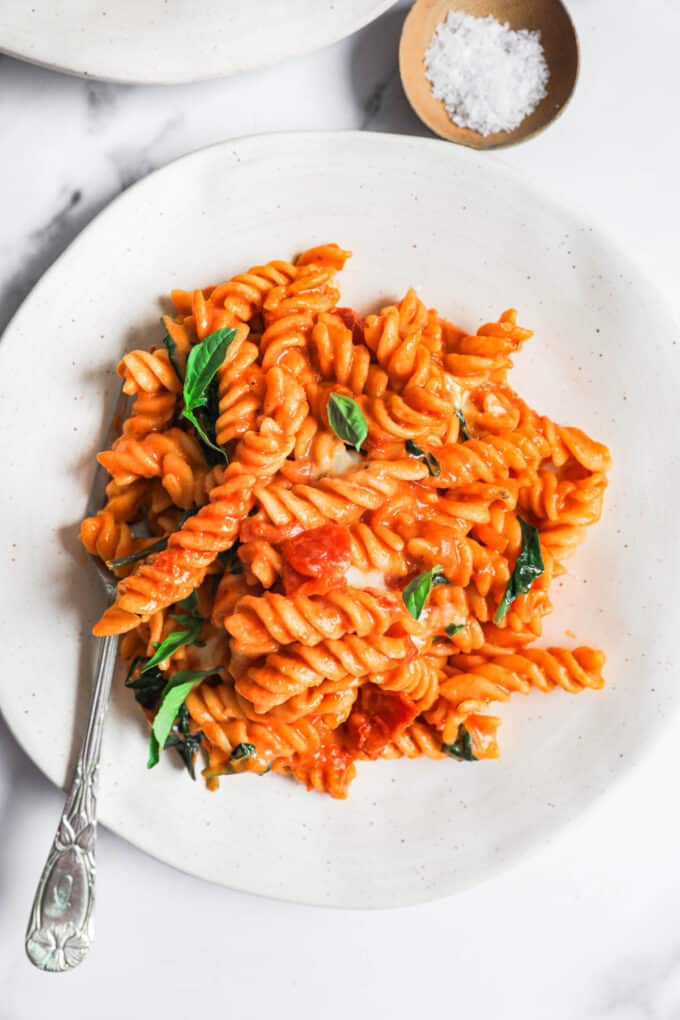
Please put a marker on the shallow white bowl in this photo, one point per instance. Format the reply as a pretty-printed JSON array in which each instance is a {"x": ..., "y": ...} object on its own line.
[
  {"x": 161, "y": 42},
  {"x": 476, "y": 239}
]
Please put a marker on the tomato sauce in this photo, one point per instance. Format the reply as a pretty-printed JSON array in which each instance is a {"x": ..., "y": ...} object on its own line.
[
  {"x": 322, "y": 553},
  {"x": 378, "y": 717}
]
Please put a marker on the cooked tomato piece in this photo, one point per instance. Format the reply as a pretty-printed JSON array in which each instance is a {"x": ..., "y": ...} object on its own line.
[
  {"x": 377, "y": 718},
  {"x": 319, "y": 552},
  {"x": 291, "y": 579},
  {"x": 295, "y": 583},
  {"x": 354, "y": 322}
]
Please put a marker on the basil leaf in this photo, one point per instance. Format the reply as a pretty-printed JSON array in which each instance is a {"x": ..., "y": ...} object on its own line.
[
  {"x": 171, "y": 348},
  {"x": 431, "y": 463},
  {"x": 202, "y": 366},
  {"x": 242, "y": 751},
  {"x": 416, "y": 592},
  {"x": 186, "y": 743},
  {"x": 148, "y": 687},
  {"x": 347, "y": 420},
  {"x": 175, "y": 640},
  {"x": 191, "y": 417},
  {"x": 174, "y": 694},
  {"x": 230, "y": 560},
  {"x": 464, "y": 430},
  {"x": 235, "y": 764},
  {"x": 155, "y": 547},
  {"x": 438, "y": 579},
  {"x": 207, "y": 417},
  {"x": 528, "y": 567},
  {"x": 461, "y": 747},
  {"x": 190, "y": 604},
  {"x": 205, "y": 423},
  {"x": 141, "y": 554},
  {"x": 454, "y": 628}
]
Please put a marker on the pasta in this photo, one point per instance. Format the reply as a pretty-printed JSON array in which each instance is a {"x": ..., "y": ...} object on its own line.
[{"x": 349, "y": 530}]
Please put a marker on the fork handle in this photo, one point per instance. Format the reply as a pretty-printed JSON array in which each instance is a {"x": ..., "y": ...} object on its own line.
[{"x": 61, "y": 927}]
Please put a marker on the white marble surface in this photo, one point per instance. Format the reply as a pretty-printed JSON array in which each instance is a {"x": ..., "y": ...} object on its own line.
[{"x": 587, "y": 929}]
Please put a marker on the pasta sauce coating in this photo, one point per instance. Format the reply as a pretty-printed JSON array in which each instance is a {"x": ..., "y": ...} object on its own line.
[{"x": 349, "y": 546}]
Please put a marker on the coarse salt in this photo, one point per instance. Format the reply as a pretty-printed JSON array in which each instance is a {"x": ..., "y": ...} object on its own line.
[{"x": 489, "y": 77}]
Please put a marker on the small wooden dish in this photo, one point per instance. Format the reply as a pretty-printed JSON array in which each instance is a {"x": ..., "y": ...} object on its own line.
[{"x": 559, "y": 41}]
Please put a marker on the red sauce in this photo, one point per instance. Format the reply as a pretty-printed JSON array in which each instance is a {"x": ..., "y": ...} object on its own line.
[
  {"x": 256, "y": 527},
  {"x": 319, "y": 552},
  {"x": 354, "y": 322},
  {"x": 293, "y": 582},
  {"x": 378, "y": 717},
  {"x": 385, "y": 599}
]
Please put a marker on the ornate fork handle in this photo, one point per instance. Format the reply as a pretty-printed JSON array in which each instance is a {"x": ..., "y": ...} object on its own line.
[{"x": 61, "y": 927}]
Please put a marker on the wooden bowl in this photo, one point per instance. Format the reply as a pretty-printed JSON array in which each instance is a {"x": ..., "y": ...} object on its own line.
[{"x": 559, "y": 41}]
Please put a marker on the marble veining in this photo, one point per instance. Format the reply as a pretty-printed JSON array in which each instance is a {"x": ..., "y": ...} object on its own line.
[{"x": 587, "y": 928}]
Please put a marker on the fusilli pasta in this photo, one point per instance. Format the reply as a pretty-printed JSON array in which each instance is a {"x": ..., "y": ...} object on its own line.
[{"x": 350, "y": 529}]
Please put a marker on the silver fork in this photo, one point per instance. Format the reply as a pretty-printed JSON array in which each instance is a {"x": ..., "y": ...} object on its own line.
[{"x": 61, "y": 927}]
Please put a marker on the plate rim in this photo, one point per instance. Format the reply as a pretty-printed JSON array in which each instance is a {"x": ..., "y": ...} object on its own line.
[
  {"x": 91, "y": 73},
  {"x": 526, "y": 845}
]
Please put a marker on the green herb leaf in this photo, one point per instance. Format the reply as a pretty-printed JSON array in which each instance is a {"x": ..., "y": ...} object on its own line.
[
  {"x": 190, "y": 604},
  {"x": 438, "y": 579},
  {"x": 203, "y": 436},
  {"x": 208, "y": 417},
  {"x": 416, "y": 592},
  {"x": 155, "y": 547},
  {"x": 202, "y": 366},
  {"x": 175, "y": 640},
  {"x": 461, "y": 747},
  {"x": 186, "y": 743},
  {"x": 454, "y": 628},
  {"x": 431, "y": 463},
  {"x": 347, "y": 420},
  {"x": 148, "y": 687},
  {"x": 242, "y": 751},
  {"x": 171, "y": 348},
  {"x": 528, "y": 567},
  {"x": 464, "y": 430},
  {"x": 141, "y": 554},
  {"x": 230, "y": 560},
  {"x": 236, "y": 763},
  {"x": 174, "y": 694}
]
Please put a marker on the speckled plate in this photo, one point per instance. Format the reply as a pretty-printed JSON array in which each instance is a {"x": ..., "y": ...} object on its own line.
[
  {"x": 476, "y": 239},
  {"x": 165, "y": 41}
]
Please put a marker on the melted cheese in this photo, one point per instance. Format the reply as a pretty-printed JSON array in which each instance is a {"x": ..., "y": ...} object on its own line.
[
  {"x": 343, "y": 460},
  {"x": 357, "y": 578}
]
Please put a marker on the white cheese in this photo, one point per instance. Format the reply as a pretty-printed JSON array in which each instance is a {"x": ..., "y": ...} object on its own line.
[
  {"x": 357, "y": 578},
  {"x": 343, "y": 460}
]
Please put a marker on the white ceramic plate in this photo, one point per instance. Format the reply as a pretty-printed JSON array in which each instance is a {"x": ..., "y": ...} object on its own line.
[
  {"x": 476, "y": 239},
  {"x": 165, "y": 41}
]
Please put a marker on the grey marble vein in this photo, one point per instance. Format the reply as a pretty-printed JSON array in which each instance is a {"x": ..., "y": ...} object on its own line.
[
  {"x": 134, "y": 161},
  {"x": 41, "y": 248},
  {"x": 644, "y": 987},
  {"x": 377, "y": 83},
  {"x": 102, "y": 99}
]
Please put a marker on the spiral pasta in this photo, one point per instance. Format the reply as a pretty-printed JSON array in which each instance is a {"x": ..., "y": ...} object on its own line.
[{"x": 347, "y": 536}]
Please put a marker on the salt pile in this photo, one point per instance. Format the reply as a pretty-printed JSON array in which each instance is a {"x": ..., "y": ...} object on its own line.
[{"x": 489, "y": 77}]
